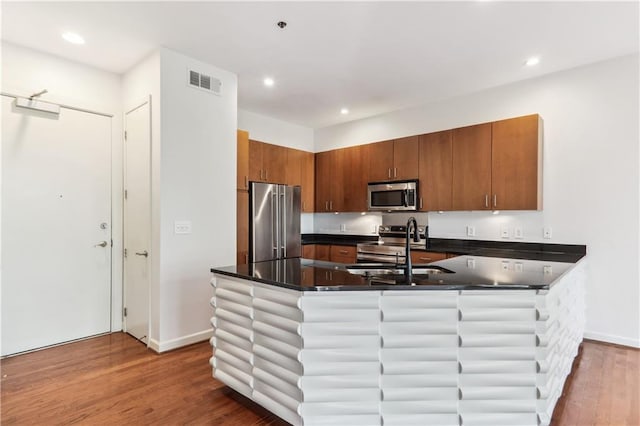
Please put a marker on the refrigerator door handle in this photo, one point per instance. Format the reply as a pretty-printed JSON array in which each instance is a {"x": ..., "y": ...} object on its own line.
[
  {"x": 284, "y": 205},
  {"x": 274, "y": 224}
]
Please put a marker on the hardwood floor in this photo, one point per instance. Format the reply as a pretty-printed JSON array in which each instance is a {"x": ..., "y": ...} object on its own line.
[{"x": 114, "y": 380}]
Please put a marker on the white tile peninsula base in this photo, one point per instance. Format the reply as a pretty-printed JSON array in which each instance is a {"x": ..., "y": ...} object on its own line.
[{"x": 478, "y": 357}]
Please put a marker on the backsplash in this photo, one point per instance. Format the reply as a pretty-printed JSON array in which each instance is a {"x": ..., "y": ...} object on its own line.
[
  {"x": 346, "y": 223},
  {"x": 525, "y": 226}
]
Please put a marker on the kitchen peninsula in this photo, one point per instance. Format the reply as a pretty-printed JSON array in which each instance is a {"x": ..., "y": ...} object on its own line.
[{"x": 476, "y": 340}]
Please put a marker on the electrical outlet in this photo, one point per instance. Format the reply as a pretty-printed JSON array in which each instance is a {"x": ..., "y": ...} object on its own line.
[
  {"x": 547, "y": 270},
  {"x": 182, "y": 227},
  {"x": 518, "y": 266},
  {"x": 471, "y": 231},
  {"x": 505, "y": 265},
  {"x": 471, "y": 263},
  {"x": 504, "y": 232},
  {"x": 547, "y": 232},
  {"x": 343, "y": 227},
  {"x": 517, "y": 232}
]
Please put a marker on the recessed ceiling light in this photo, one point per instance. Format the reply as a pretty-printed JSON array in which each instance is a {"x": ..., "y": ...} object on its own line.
[
  {"x": 534, "y": 60},
  {"x": 269, "y": 82},
  {"x": 73, "y": 38},
  {"x": 344, "y": 111}
]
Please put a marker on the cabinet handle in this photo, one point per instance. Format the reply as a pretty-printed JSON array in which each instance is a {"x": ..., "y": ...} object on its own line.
[
  {"x": 495, "y": 200},
  {"x": 330, "y": 205},
  {"x": 420, "y": 203},
  {"x": 486, "y": 200},
  {"x": 246, "y": 258},
  {"x": 246, "y": 181},
  {"x": 389, "y": 172},
  {"x": 424, "y": 258},
  {"x": 326, "y": 206},
  {"x": 260, "y": 174},
  {"x": 395, "y": 172},
  {"x": 343, "y": 252},
  {"x": 266, "y": 175},
  {"x": 303, "y": 206}
]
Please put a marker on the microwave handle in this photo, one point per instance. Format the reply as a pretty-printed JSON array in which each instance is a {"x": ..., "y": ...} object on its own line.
[{"x": 403, "y": 198}]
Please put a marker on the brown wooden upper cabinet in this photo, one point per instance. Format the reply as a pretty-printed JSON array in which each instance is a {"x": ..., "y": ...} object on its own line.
[
  {"x": 308, "y": 172},
  {"x": 355, "y": 176},
  {"x": 472, "y": 167},
  {"x": 300, "y": 170},
  {"x": 497, "y": 166},
  {"x": 436, "y": 171},
  {"x": 329, "y": 181},
  {"x": 267, "y": 162},
  {"x": 243, "y": 160},
  {"x": 394, "y": 160}
]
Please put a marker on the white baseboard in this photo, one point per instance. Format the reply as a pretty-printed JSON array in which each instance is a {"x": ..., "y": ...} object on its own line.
[
  {"x": 180, "y": 341},
  {"x": 609, "y": 338}
]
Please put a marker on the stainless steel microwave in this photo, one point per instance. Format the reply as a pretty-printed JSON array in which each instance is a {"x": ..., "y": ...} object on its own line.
[{"x": 393, "y": 196}]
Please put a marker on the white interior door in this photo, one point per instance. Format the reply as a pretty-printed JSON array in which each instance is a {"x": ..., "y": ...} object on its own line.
[
  {"x": 137, "y": 221},
  {"x": 56, "y": 226}
]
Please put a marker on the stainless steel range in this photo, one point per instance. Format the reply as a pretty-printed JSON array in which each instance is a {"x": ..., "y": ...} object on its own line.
[{"x": 391, "y": 244}]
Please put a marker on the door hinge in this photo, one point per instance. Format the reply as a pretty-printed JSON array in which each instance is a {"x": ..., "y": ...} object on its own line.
[
  {"x": 124, "y": 312},
  {"x": 125, "y": 194},
  {"x": 112, "y": 242},
  {"x": 125, "y": 252},
  {"x": 125, "y": 135}
]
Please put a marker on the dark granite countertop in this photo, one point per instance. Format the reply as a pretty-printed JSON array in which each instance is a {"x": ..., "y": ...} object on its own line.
[
  {"x": 484, "y": 248},
  {"x": 338, "y": 239},
  {"x": 466, "y": 273}
]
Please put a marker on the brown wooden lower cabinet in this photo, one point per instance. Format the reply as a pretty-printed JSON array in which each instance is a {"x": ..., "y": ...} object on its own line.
[
  {"x": 309, "y": 251},
  {"x": 343, "y": 254},
  {"x": 329, "y": 253},
  {"x": 426, "y": 256}
]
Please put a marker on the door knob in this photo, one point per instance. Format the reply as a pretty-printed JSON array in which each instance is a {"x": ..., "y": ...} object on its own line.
[
  {"x": 101, "y": 244},
  {"x": 144, "y": 253}
]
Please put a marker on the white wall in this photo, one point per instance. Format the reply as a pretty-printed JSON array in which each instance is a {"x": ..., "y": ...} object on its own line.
[
  {"x": 278, "y": 132},
  {"x": 139, "y": 83},
  {"x": 198, "y": 175},
  {"x": 26, "y": 71},
  {"x": 591, "y": 184}
]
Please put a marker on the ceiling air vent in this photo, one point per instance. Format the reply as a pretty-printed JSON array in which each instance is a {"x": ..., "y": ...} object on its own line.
[{"x": 204, "y": 82}]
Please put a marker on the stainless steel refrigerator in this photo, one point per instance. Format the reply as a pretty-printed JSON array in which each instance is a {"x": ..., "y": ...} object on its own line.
[{"x": 274, "y": 228}]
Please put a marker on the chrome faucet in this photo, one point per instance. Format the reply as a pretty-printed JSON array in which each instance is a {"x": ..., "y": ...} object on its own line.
[{"x": 408, "y": 268}]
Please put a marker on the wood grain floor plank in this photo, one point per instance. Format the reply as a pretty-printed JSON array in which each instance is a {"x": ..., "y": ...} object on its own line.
[{"x": 115, "y": 380}]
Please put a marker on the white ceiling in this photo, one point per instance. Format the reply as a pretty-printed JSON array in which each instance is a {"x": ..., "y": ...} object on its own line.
[{"x": 372, "y": 57}]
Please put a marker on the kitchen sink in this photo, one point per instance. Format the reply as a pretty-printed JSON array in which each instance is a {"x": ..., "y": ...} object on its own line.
[{"x": 368, "y": 269}]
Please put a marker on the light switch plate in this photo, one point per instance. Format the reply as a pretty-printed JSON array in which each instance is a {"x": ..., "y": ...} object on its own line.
[
  {"x": 471, "y": 231},
  {"x": 517, "y": 232},
  {"x": 504, "y": 232},
  {"x": 182, "y": 227},
  {"x": 547, "y": 232}
]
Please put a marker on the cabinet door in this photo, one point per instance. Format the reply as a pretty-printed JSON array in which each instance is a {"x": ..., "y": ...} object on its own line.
[
  {"x": 242, "y": 226},
  {"x": 308, "y": 182},
  {"x": 516, "y": 164},
  {"x": 405, "y": 158},
  {"x": 256, "y": 172},
  {"x": 418, "y": 257},
  {"x": 309, "y": 251},
  {"x": 243, "y": 160},
  {"x": 343, "y": 254},
  {"x": 337, "y": 181},
  {"x": 323, "y": 252},
  {"x": 472, "y": 167},
  {"x": 274, "y": 163},
  {"x": 381, "y": 161},
  {"x": 323, "y": 180},
  {"x": 436, "y": 171},
  {"x": 355, "y": 166},
  {"x": 293, "y": 171}
]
